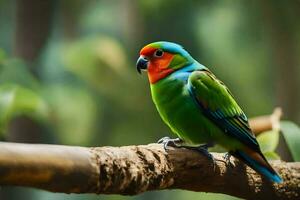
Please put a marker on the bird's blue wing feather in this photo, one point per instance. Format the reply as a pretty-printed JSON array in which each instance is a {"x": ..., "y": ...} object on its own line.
[{"x": 217, "y": 104}]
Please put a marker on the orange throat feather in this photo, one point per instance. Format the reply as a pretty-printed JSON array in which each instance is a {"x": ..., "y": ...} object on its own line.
[{"x": 158, "y": 68}]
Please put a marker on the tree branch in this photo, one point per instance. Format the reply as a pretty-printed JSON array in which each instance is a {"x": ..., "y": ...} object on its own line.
[
  {"x": 132, "y": 170},
  {"x": 266, "y": 122}
]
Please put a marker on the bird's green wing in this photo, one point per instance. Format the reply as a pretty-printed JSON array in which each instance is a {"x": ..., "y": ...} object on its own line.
[{"x": 218, "y": 104}]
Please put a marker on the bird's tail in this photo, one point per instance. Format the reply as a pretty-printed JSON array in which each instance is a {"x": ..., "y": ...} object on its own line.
[{"x": 258, "y": 162}]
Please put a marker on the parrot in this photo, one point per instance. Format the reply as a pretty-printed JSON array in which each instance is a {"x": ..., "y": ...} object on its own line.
[{"x": 198, "y": 107}]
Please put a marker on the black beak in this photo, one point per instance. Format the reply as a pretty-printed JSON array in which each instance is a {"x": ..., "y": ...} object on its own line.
[{"x": 141, "y": 64}]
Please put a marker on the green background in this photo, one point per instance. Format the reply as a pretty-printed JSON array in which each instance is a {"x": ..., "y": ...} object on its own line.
[{"x": 80, "y": 86}]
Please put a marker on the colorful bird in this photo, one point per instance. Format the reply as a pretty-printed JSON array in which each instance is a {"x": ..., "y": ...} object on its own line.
[{"x": 198, "y": 107}]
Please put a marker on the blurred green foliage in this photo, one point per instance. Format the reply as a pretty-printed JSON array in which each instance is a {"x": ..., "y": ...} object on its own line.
[
  {"x": 16, "y": 100},
  {"x": 268, "y": 141},
  {"x": 291, "y": 133},
  {"x": 86, "y": 90}
]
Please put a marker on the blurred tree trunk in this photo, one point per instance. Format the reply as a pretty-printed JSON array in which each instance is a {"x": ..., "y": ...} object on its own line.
[
  {"x": 281, "y": 21},
  {"x": 163, "y": 16},
  {"x": 70, "y": 11},
  {"x": 33, "y": 22},
  {"x": 132, "y": 25}
]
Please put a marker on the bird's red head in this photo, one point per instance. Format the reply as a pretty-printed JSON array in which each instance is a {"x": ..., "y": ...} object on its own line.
[{"x": 156, "y": 61}]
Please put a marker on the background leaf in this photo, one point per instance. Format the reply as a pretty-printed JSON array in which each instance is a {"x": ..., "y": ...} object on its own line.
[
  {"x": 2, "y": 55},
  {"x": 15, "y": 71},
  {"x": 16, "y": 100},
  {"x": 291, "y": 134},
  {"x": 268, "y": 140},
  {"x": 74, "y": 122},
  {"x": 271, "y": 155}
]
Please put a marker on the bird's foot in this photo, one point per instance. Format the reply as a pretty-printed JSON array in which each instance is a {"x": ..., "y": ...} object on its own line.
[
  {"x": 203, "y": 149},
  {"x": 227, "y": 157},
  {"x": 167, "y": 141}
]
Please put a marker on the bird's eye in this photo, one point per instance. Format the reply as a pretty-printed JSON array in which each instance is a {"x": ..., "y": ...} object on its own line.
[{"x": 158, "y": 53}]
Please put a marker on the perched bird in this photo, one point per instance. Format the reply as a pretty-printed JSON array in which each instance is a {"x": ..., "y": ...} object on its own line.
[{"x": 198, "y": 107}]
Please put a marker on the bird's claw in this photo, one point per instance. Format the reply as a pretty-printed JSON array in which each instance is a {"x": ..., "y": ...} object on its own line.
[
  {"x": 167, "y": 141},
  {"x": 162, "y": 140},
  {"x": 227, "y": 157}
]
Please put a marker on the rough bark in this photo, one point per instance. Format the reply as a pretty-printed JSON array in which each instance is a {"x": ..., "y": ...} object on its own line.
[{"x": 131, "y": 170}]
